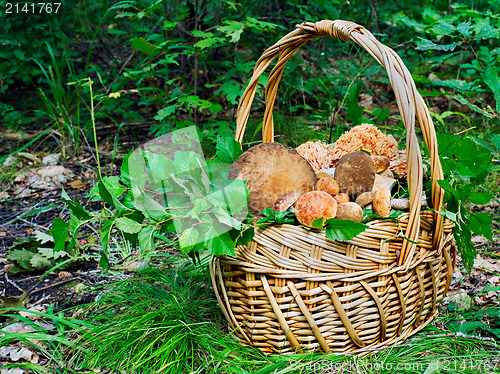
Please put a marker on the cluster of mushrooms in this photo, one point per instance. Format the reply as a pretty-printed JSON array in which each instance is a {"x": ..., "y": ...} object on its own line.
[{"x": 283, "y": 178}]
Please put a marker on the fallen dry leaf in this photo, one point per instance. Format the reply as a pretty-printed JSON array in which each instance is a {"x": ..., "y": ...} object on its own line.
[
  {"x": 19, "y": 353},
  {"x": 32, "y": 316},
  {"x": 76, "y": 184},
  {"x": 64, "y": 274},
  {"x": 488, "y": 264}
]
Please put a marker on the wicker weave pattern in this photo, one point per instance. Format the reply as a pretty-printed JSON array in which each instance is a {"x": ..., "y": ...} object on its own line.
[{"x": 292, "y": 288}]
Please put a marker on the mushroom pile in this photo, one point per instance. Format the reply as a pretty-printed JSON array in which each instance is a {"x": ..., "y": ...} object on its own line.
[{"x": 278, "y": 177}]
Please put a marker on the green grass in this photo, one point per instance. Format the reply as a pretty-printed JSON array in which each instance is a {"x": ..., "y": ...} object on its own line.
[{"x": 169, "y": 322}]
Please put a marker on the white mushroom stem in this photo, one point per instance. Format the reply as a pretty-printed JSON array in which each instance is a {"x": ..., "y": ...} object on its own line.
[{"x": 404, "y": 203}]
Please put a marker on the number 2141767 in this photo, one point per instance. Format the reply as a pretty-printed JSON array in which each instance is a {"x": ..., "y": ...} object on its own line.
[{"x": 18, "y": 8}]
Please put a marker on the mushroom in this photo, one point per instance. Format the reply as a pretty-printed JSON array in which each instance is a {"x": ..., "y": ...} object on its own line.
[
  {"x": 365, "y": 198},
  {"x": 271, "y": 170},
  {"x": 382, "y": 182},
  {"x": 342, "y": 198},
  {"x": 285, "y": 201},
  {"x": 322, "y": 174},
  {"x": 327, "y": 184},
  {"x": 387, "y": 173},
  {"x": 313, "y": 205},
  {"x": 381, "y": 163},
  {"x": 382, "y": 202},
  {"x": 350, "y": 211},
  {"x": 355, "y": 173}
]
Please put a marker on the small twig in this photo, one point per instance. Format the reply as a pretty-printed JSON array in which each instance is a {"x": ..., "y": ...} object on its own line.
[
  {"x": 13, "y": 283},
  {"x": 461, "y": 132},
  {"x": 55, "y": 285},
  {"x": 31, "y": 224}
]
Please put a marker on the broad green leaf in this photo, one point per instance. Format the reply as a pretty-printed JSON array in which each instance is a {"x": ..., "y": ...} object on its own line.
[
  {"x": 104, "y": 234},
  {"x": 415, "y": 24},
  {"x": 490, "y": 77},
  {"x": 142, "y": 45},
  {"x": 188, "y": 239},
  {"x": 222, "y": 245},
  {"x": 455, "y": 83},
  {"x": 343, "y": 229},
  {"x": 228, "y": 149},
  {"x": 146, "y": 239},
  {"x": 232, "y": 90},
  {"x": 245, "y": 236},
  {"x": 425, "y": 44},
  {"x": 201, "y": 34},
  {"x": 22, "y": 257},
  {"x": 232, "y": 29},
  {"x": 480, "y": 223},
  {"x": 443, "y": 28},
  {"x": 165, "y": 112},
  {"x": 209, "y": 42},
  {"x": 223, "y": 217},
  {"x": 75, "y": 207},
  {"x": 39, "y": 262},
  {"x": 128, "y": 225},
  {"x": 43, "y": 237},
  {"x": 465, "y": 28},
  {"x": 59, "y": 233},
  {"x": 480, "y": 197},
  {"x": 462, "y": 100},
  {"x": 318, "y": 223}
]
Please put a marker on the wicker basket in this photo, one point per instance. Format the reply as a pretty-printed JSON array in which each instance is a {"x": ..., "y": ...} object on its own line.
[{"x": 292, "y": 289}]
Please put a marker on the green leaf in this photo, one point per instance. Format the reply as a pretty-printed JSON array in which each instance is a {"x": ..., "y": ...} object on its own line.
[
  {"x": 128, "y": 225},
  {"x": 228, "y": 149},
  {"x": 480, "y": 223},
  {"x": 490, "y": 77},
  {"x": 209, "y": 42},
  {"x": 480, "y": 198},
  {"x": 165, "y": 112},
  {"x": 188, "y": 239},
  {"x": 59, "y": 233},
  {"x": 425, "y": 44},
  {"x": 104, "y": 237},
  {"x": 318, "y": 223},
  {"x": 232, "y": 29},
  {"x": 474, "y": 107},
  {"x": 39, "y": 262},
  {"x": 22, "y": 257},
  {"x": 77, "y": 209},
  {"x": 146, "y": 238},
  {"x": 142, "y": 45},
  {"x": 465, "y": 28},
  {"x": 343, "y": 229},
  {"x": 245, "y": 236},
  {"x": 443, "y": 28},
  {"x": 222, "y": 245}
]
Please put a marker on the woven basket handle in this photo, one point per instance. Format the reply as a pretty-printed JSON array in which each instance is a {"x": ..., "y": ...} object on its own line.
[{"x": 410, "y": 103}]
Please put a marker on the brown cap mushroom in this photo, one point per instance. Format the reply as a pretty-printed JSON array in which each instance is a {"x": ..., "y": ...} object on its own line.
[
  {"x": 285, "y": 201},
  {"x": 271, "y": 170},
  {"x": 313, "y": 205},
  {"x": 328, "y": 185},
  {"x": 350, "y": 211},
  {"x": 381, "y": 163},
  {"x": 355, "y": 173}
]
